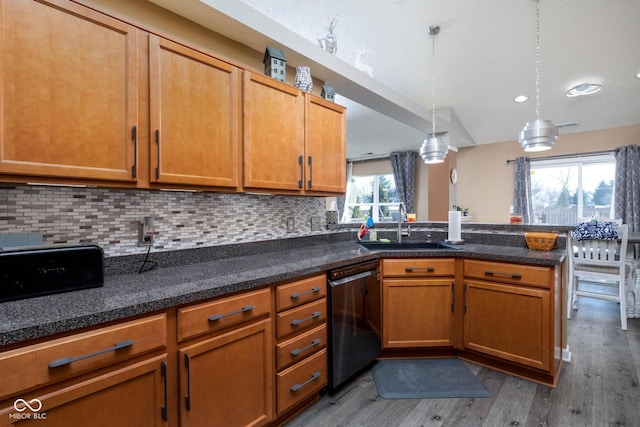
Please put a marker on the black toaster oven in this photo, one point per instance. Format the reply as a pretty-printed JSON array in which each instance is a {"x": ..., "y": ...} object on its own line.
[{"x": 27, "y": 272}]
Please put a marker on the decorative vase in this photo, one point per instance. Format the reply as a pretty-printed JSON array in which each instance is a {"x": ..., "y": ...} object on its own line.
[{"x": 303, "y": 79}]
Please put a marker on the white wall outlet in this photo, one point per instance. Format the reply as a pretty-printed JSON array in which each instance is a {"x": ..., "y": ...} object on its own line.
[
  {"x": 316, "y": 223},
  {"x": 291, "y": 225},
  {"x": 145, "y": 231}
]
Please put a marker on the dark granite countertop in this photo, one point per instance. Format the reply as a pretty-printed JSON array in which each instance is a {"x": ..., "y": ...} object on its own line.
[{"x": 127, "y": 294}]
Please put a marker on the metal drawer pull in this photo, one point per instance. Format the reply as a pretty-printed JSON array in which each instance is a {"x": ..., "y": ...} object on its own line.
[
  {"x": 313, "y": 316},
  {"x": 310, "y": 291},
  {"x": 498, "y": 273},
  {"x": 242, "y": 310},
  {"x": 69, "y": 360},
  {"x": 297, "y": 387},
  {"x": 297, "y": 351},
  {"x": 427, "y": 269}
]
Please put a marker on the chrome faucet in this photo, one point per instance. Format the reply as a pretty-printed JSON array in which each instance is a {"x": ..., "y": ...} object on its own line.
[{"x": 402, "y": 211}]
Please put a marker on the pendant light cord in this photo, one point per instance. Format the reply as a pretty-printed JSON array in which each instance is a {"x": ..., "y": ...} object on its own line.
[
  {"x": 537, "y": 59},
  {"x": 433, "y": 30}
]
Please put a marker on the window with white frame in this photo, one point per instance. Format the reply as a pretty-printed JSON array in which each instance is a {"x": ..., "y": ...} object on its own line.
[
  {"x": 373, "y": 195},
  {"x": 572, "y": 189}
]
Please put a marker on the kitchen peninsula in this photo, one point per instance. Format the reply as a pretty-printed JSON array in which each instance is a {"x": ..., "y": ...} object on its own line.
[{"x": 155, "y": 304}]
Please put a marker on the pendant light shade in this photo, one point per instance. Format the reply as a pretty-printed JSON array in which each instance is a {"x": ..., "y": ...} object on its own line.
[
  {"x": 539, "y": 134},
  {"x": 434, "y": 149}
]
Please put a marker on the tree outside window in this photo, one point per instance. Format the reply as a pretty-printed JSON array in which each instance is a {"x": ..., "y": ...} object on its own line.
[
  {"x": 373, "y": 195},
  {"x": 571, "y": 190}
]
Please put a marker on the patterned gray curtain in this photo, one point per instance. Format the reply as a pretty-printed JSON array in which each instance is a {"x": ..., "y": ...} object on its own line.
[
  {"x": 404, "y": 165},
  {"x": 627, "y": 189},
  {"x": 522, "y": 189}
]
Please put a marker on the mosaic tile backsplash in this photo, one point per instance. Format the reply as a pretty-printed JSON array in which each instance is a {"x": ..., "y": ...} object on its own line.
[{"x": 182, "y": 220}]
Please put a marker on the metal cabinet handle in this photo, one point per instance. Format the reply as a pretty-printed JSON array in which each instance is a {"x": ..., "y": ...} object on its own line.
[
  {"x": 427, "y": 269},
  {"x": 498, "y": 273},
  {"x": 134, "y": 138},
  {"x": 242, "y": 310},
  {"x": 158, "y": 144},
  {"x": 310, "y": 183},
  {"x": 297, "y": 351},
  {"x": 465, "y": 298},
  {"x": 310, "y": 291},
  {"x": 314, "y": 376},
  {"x": 163, "y": 373},
  {"x": 313, "y": 316},
  {"x": 187, "y": 397},
  {"x": 68, "y": 360},
  {"x": 453, "y": 296},
  {"x": 300, "y": 162}
]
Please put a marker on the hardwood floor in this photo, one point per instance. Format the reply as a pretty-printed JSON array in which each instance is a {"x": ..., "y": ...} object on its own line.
[{"x": 599, "y": 387}]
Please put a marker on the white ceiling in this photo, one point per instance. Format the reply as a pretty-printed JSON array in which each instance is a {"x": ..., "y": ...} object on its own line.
[{"x": 485, "y": 56}]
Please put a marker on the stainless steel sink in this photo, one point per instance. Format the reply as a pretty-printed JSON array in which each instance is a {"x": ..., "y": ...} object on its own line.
[{"x": 395, "y": 246}]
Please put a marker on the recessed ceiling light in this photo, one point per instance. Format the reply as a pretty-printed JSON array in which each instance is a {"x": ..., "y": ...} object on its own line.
[
  {"x": 584, "y": 89},
  {"x": 520, "y": 98},
  {"x": 638, "y": 75}
]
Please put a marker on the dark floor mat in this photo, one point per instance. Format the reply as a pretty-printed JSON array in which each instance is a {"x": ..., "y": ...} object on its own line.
[{"x": 426, "y": 379}]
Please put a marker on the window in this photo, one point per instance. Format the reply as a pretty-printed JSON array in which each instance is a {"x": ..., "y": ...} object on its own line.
[
  {"x": 373, "y": 195},
  {"x": 569, "y": 190}
]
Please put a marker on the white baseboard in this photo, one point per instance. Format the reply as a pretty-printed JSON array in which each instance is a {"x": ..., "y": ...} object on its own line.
[{"x": 566, "y": 354}]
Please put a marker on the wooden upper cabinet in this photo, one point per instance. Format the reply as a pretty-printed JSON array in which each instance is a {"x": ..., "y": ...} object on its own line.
[
  {"x": 69, "y": 102},
  {"x": 273, "y": 134},
  {"x": 325, "y": 137},
  {"x": 195, "y": 116}
]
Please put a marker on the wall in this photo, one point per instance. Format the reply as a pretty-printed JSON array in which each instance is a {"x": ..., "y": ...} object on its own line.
[
  {"x": 485, "y": 180},
  {"x": 182, "y": 220}
]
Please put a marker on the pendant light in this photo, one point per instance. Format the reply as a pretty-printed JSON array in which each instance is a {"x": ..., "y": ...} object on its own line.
[
  {"x": 434, "y": 149},
  {"x": 538, "y": 135}
]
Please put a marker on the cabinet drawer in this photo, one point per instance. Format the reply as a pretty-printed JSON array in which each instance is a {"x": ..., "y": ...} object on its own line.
[
  {"x": 301, "y": 346},
  {"x": 418, "y": 267},
  {"x": 301, "y": 318},
  {"x": 509, "y": 273},
  {"x": 222, "y": 313},
  {"x": 63, "y": 358},
  {"x": 301, "y": 380},
  {"x": 300, "y": 292}
]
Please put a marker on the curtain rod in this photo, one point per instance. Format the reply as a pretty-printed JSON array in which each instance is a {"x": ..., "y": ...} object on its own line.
[{"x": 569, "y": 156}]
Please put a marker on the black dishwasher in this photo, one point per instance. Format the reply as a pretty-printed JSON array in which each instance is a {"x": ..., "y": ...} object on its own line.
[{"x": 354, "y": 321}]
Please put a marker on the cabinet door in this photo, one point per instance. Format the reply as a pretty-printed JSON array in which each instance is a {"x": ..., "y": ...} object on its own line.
[
  {"x": 227, "y": 380},
  {"x": 273, "y": 137},
  {"x": 417, "y": 312},
  {"x": 134, "y": 396},
  {"x": 509, "y": 321},
  {"x": 325, "y": 137},
  {"x": 68, "y": 92},
  {"x": 195, "y": 116}
]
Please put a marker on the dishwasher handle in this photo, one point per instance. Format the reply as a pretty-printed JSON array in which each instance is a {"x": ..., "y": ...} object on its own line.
[{"x": 347, "y": 279}]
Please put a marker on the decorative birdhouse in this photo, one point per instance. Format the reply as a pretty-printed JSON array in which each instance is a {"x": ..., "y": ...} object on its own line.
[
  {"x": 275, "y": 64},
  {"x": 328, "y": 93}
]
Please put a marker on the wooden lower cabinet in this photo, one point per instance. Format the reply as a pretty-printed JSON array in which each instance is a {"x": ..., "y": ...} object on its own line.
[
  {"x": 132, "y": 396},
  {"x": 417, "y": 312},
  {"x": 418, "y": 302},
  {"x": 227, "y": 380},
  {"x": 513, "y": 318},
  {"x": 510, "y": 322}
]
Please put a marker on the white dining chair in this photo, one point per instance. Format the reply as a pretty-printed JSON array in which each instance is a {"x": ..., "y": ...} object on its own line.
[{"x": 597, "y": 270}]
